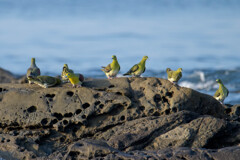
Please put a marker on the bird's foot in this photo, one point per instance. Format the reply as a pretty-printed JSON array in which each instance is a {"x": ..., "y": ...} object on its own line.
[{"x": 79, "y": 86}]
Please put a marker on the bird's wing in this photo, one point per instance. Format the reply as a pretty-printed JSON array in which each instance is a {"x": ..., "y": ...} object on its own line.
[
  {"x": 178, "y": 76},
  {"x": 108, "y": 68},
  {"x": 227, "y": 92},
  {"x": 170, "y": 74},
  {"x": 134, "y": 68},
  {"x": 217, "y": 93},
  {"x": 144, "y": 69}
]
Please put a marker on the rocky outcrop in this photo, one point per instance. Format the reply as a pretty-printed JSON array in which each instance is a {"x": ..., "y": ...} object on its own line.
[{"x": 124, "y": 118}]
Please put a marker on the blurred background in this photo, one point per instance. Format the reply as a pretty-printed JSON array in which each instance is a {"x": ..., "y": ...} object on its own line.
[{"x": 201, "y": 36}]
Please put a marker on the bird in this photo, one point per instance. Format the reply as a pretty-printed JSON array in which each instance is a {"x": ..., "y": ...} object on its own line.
[
  {"x": 112, "y": 69},
  {"x": 174, "y": 76},
  {"x": 65, "y": 70},
  {"x": 75, "y": 79},
  {"x": 33, "y": 71},
  {"x": 138, "y": 69},
  {"x": 45, "y": 81},
  {"x": 221, "y": 93}
]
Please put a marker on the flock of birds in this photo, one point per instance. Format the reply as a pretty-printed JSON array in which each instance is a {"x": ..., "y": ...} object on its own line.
[{"x": 111, "y": 71}]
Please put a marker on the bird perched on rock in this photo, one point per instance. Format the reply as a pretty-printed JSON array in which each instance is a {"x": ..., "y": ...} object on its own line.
[
  {"x": 45, "y": 81},
  {"x": 75, "y": 79},
  {"x": 112, "y": 69},
  {"x": 64, "y": 73},
  {"x": 33, "y": 71},
  {"x": 138, "y": 69},
  {"x": 174, "y": 76},
  {"x": 221, "y": 93}
]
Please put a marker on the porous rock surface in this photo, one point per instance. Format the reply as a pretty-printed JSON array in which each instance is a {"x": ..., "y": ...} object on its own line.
[{"x": 122, "y": 118}]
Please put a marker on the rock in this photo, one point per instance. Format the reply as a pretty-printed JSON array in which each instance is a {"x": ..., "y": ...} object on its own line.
[
  {"x": 6, "y": 76},
  {"x": 122, "y": 118}
]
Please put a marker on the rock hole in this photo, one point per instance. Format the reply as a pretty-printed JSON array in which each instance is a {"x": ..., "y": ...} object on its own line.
[
  {"x": 167, "y": 111},
  {"x": 142, "y": 108},
  {"x": 62, "y": 139},
  {"x": 70, "y": 93},
  {"x": 165, "y": 99},
  {"x": 59, "y": 116},
  {"x": 108, "y": 101},
  {"x": 96, "y": 95},
  {"x": 50, "y": 95},
  {"x": 86, "y": 105},
  {"x": 157, "y": 98},
  {"x": 101, "y": 106},
  {"x": 111, "y": 86},
  {"x": 113, "y": 119},
  {"x": 174, "y": 109},
  {"x": 125, "y": 104},
  {"x": 65, "y": 122},
  {"x": 151, "y": 111},
  {"x": 97, "y": 103},
  {"x": 169, "y": 94},
  {"x": 44, "y": 121},
  {"x": 54, "y": 121},
  {"x": 122, "y": 118},
  {"x": 68, "y": 115},
  {"x": 119, "y": 93},
  {"x": 32, "y": 109},
  {"x": 78, "y": 111},
  {"x": 74, "y": 154},
  {"x": 142, "y": 88},
  {"x": 84, "y": 117},
  {"x": 228, "y": 110},
  {"x": 156, "y": 114}
]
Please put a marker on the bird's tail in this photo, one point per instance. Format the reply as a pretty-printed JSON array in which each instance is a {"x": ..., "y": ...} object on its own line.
[{"x": 126, "y": 74}]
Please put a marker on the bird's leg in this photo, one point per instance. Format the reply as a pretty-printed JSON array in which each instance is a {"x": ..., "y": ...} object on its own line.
[{"x": 79, "y": 86}]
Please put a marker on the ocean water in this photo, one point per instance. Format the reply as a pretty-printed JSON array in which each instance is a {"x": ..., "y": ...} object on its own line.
[{"x": 200, "y": 36}]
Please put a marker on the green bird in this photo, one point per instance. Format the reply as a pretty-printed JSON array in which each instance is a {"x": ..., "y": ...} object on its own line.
[
  {"x": 174, "y": 76},
  {"x": 64, "y": 73},
  {"x": 221, "y": 93},
  {"x": 33, "y": 71},
  {"x": 138, "y": 69},
  {"x": 45, "y": 81},
  {"x": 75, "y": 79},
  {"x": 112, "y": 69}
]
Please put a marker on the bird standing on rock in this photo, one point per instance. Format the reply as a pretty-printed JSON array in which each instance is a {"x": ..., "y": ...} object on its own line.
[
  {"x": 174, "y": 76},
  {"x": 221, "y": 93},
  {"x": 33, "y": 71},
  {"x": 112, "y": 69},
  {"x": 138, "y": 69},
  {"x": 75, "y": 79},
  {"x": 64, "y": 73},
  {"x": 45, "y": 81}
]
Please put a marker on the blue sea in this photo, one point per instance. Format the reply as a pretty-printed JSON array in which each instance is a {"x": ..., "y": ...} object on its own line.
[{"x": 200, "y": 36}]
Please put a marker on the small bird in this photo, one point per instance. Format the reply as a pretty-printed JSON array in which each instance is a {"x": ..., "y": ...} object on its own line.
[
  {"x": 45, "y": 81},
  {"x": 112, "y": 69},
  {"x": 221, "y": 93},
  {"x": 174, "y": 76},
  {"x": 64, "y": 73},
  {"x": 75, "y": 79},
  {"x": 138, "y": 69},
  {"x": 33, "y": 71}
]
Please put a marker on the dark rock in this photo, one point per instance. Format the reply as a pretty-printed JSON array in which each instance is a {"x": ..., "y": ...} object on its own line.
[{"x": 122, "y": 118}]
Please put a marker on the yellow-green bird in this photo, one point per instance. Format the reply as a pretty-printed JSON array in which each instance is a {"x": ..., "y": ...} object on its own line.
[
  {"x": 112, "y": 69},
  {"x": 45, "y": 81},
  {"x": 33, "y": 71},
  {"x": 64, "y": 73},
  {"x": 138, "y": 69},
  {"x": 221, "y": 93},
  {"x": 75, "y": 79},
  {"x": 174, "y": 76}
]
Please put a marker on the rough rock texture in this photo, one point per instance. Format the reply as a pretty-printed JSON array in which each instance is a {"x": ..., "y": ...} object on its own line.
[{"x": 123, "y": 118}]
